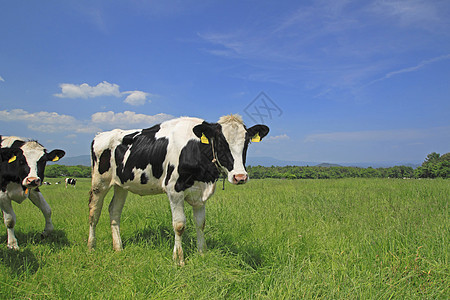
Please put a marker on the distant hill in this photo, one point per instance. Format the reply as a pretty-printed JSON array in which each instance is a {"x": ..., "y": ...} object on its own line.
[
  {"x": 85, "y": 160},
  {"x": 327, "y": 165},
  {"x": 270, "y": 161}
]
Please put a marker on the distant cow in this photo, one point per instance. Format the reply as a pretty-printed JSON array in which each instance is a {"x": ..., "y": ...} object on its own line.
[
  {"x": 21, "y": 176},
  {"x": 182, "y": 157},
  {"x": 71, "y": 181}
]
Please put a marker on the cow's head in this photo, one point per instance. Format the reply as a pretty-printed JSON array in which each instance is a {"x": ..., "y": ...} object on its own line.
[
  {"x": 230, "y": 138},
  {"x": 29, "y": 167}
]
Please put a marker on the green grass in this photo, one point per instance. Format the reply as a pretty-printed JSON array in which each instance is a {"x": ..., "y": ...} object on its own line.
[{"x": 268, "y": 239}]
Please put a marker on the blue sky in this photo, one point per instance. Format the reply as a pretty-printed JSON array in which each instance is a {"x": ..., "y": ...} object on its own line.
[{"x": 336, "y": 81}]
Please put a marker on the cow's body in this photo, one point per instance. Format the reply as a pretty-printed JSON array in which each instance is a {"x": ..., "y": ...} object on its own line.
[
  {"x": 20, "y": 179},
  {"x": 182, "y": 157},
  {"x": 71, "y": 181}
]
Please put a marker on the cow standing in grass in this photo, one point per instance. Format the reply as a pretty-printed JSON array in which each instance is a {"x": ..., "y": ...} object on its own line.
[
  {"x": 182, "y": 157},
  {"x": 21, "y": 175},
  {"x": 71, "y": 181}
]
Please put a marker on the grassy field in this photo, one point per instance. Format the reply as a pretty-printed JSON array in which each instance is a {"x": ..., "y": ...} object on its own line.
[{"x": 268, "y": 239}]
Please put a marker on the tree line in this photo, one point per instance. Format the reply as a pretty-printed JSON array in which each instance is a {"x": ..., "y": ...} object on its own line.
[
  {"x": 434, "y": 166},
  {"x": 55, "y": 171}
]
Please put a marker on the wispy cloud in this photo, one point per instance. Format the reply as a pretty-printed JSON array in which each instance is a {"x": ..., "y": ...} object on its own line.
[
  {"x": 378, "y": 135},
  {"x": 332, "y": 47},
  {"x": 103, "y": 89},
  {"x": 417, "y": 67},
  {"x": 277, "y": 138},
  {"x": 420, "y": 13},
  {"x": 1, "y": 78}
]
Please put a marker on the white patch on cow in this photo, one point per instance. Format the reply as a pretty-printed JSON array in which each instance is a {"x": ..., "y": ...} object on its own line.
[
  {"x": 234, "y": 131},
  {"x": 33, "y": 152},
  {"x": 15, "y": 192}
]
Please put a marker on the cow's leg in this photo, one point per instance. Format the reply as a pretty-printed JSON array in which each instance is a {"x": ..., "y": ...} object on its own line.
[
  {"x": 115, "y": 210},
  {"x": 10, "y": 220},
  {"x": 97, "y": 195},
  {"x": 199, "y": 217},
  {"x": 179, "y": 224},
  {"x": 38, "y": 200}
]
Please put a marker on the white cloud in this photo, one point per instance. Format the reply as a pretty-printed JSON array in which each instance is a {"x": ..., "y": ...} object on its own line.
[
  {"x": 136, "y": 97},
  {"x": 85, "y": 91},
  {"x": 103, "y": 89},
  {"x": 1, "y": 78},
  {"x": 127, "y": 118},
  {"x": 48, "y": 122}
]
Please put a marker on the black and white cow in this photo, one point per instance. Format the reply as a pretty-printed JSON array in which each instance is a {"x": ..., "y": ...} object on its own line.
[
  {"x": 181, "y": 157},
  {"x": 21, "y": 177},
  {"x": 71, "y": 181}
]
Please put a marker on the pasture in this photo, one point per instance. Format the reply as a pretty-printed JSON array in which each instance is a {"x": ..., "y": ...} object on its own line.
[{"x": 268, "y": 239}]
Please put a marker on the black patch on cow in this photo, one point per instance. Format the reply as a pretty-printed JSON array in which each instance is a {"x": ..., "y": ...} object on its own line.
[
  {"x": 15, "y": 171},
  {"x": 195, "y": 164},
  {"x": 41, "y": 163},
  {"x": 17, "y": 144},
  {"x": 170, "y": 169},
  {"x": 144, "y": 150},
  {"x": 119, "y": 153},
  {"x": 244, "y": 152},
  {"x": 93, "y": 156},
  {"x": 144, "y": 178},
  {"x": 128, "y": 139},
  {"x": 105, "y": 161},
  {"x": 196, "y": 158}
]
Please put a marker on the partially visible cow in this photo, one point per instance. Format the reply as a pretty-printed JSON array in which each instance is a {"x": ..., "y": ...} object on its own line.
[
  {"x": 71, "y": 181},
  {"x": 181, "y": 157},
  {"x": 21, "y": 177}
]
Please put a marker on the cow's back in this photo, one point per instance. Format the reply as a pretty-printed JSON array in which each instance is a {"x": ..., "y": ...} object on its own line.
[{"x": 139, "y": 160}]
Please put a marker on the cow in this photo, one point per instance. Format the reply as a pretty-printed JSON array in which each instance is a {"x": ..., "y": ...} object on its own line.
[
  {"x": 181, "y": 157},
  {"x": 71, "y": 181},
  {"x": 21, "y": 177}
]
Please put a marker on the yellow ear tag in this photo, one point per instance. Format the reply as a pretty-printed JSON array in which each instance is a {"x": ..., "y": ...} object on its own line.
[
  {"x": 204, "y": 139},
  {"x": 12, "y": 159},
  {"x": 56, "y": 158},
  {"x": 256, "y": 138}
]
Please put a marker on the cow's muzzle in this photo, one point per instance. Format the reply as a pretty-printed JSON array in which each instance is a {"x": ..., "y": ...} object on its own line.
[
  {"x": 240, "y": 178},
  {"x": 31, "y": 182}
]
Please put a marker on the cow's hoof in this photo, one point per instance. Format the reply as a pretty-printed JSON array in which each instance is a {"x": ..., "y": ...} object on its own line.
[
  {"x": 46, "y": 233},
  {"x": 14, "y": 247}
]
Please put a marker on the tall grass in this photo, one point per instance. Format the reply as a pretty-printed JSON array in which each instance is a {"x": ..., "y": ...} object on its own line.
[{"x": 268, "y": 239}]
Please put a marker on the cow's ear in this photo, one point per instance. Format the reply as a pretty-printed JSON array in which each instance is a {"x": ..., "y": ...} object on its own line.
[
  {"x": 55, "y": 155},
  {"x": 257, "y": 132},
  {"x": 204, "y": 131}
]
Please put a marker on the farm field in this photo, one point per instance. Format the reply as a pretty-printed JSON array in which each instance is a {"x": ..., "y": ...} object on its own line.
[{"x": 268, "y": 239}]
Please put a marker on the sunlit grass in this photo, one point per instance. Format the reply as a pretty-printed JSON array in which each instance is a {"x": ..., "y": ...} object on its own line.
[{"x": 272, "y": 239}]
